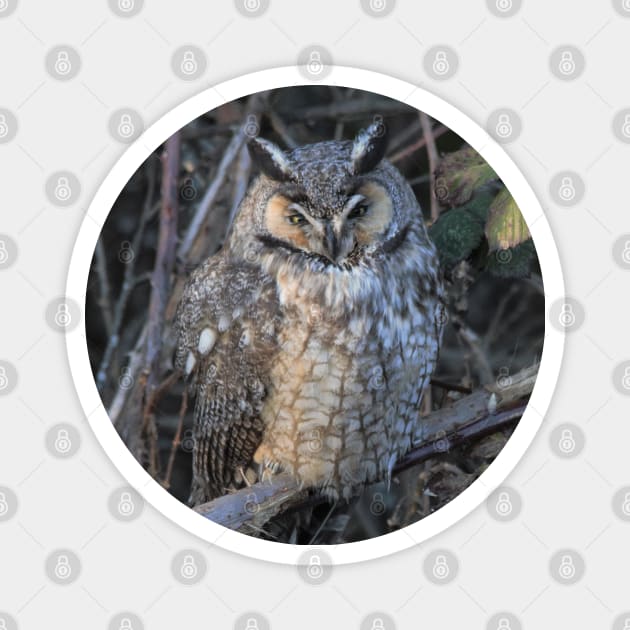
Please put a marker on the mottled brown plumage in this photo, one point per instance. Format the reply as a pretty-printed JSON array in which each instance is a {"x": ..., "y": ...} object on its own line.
[{"x": 310, "y": 337}]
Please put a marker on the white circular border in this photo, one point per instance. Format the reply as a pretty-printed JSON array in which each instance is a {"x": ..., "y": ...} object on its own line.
[{"x": 97, "y": 214}]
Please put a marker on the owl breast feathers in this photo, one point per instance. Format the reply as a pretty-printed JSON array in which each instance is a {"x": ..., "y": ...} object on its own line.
[{"x": 310, "y": 337}]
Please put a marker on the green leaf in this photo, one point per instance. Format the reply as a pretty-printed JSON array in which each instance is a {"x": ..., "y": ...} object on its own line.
[
  {"x": 459, "y": 175},
  {"x": 459, "y": 231},
  {"x": 506, "y": 226},
  {"x": 513, "y": 262}
]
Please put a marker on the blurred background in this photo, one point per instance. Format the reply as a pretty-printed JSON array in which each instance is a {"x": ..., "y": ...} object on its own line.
[{"x": 496, "y": 303}]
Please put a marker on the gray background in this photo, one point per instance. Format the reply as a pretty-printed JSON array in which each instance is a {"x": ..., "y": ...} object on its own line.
[{"x": 565, "y": 503}]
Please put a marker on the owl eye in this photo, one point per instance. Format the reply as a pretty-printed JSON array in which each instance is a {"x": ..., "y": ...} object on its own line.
[
  {"x": 358, "y": 211},
  {"x": 296, "y": 219}
]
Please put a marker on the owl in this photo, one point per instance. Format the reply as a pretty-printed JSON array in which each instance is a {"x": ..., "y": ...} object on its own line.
[{"x": 310, "y": 338}]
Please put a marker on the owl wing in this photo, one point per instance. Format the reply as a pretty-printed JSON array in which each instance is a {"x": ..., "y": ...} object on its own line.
[{"x": 226, "y": 338}]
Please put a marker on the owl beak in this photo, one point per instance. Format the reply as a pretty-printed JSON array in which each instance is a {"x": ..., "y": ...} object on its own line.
[{"x": 331, "y": 243}]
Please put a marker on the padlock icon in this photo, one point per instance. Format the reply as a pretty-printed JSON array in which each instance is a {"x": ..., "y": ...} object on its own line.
[
  {"x": 441, "y": 569},
  {"x": 63, "y": 66},
  {"x": 314, "y": 569},
  {"x": 625, "y": 381},
  {"x": 4, "y": 506},
  {"x": 504, "y": 624},
  {"x": 63, "y": 443},
  {"x": 126, "y": 378},
  {"x": 377, "y": 506},
  {"x": 251, "y": 504},
  {"x": 567, "y": 189},
  {"x": 4, "y": 4},
  {"x": 504, "y": 505},
  {"x": 251, "y": 624},
  {"x": 315, "y": 443},
  {"x": 378, "y": 624},
  {"x": 440, "y": 63},
  {"x": 315, "y": 65},
  {"x": 252, "y": 5},
  {"x": 626, "y": 7},
  {"x": 567, "y": 441},
  {"x": 125, "y": 505},
  {"x": 625, "y": 128},
  {"x": 125, "y": 253},
  {"x": 567, "y": 63},
  {"x": 504, "y": 126},
  {"x": 125, "y": 624},
  {"x": 63, "y": 192},
  {"x": 188, "y": 441},
  {"x": 3, "y": 623},
  {"x": 377, "y": 5},
  {"x": 504, "y": 379},
  {"x": 4, "y": 254},
  {"x": 189, "y": 568},
  {"x": 504, "y": 5},
  {"x": 377, "y": 121},
  {"x": 567, "y": 316},
  {"x": 189, "y": 63},
  {"x": 441, "y": 189},
  {"x": 126, "y": 127},
  {"x": 625, "y": 506},
  {"x": 188, "y": 190},
  {"x": 4, "y": 380},
  {"x": 63, "y": 570},
  {"x": 63, "y": 318},
  {"x": 4, "y": 128},
  {"x": 567, "y": 568},
  {"x": 126, "y": 5},
  {"x": 251, "y": 126}
]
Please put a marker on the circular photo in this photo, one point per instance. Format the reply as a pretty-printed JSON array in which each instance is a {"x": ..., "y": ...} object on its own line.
[{"x": 315, "y": 315}]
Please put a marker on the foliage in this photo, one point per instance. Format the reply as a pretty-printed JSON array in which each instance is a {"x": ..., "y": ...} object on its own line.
[{"x": 484, "y": 224}]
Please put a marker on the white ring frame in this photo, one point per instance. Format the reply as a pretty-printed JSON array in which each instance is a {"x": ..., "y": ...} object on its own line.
[{"x": 151, "y": 490}]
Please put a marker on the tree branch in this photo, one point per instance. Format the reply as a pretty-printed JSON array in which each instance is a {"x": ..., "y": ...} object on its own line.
[{"x": 471, "y": 417}]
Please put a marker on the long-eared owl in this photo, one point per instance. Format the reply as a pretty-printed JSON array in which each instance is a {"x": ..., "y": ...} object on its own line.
[{"x": 310, "y": 337}]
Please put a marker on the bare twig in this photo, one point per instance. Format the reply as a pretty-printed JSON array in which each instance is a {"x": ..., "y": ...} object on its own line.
[
  {"x": 241, "y": 181},
  {"x": 104, "y": 300},
  {"x": 434, "y": 158},
  {"x": 416, "y": 146},
  {"x": 280, "y": 127},
  {"x": 129, "y": 282},
  {"x": 470, "y": 417},
  {"x": 177, "y": 440},
  {"x": 165, "y": 257}
]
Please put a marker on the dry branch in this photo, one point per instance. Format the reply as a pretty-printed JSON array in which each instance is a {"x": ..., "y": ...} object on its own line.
[{"x": 471, "y": 417}]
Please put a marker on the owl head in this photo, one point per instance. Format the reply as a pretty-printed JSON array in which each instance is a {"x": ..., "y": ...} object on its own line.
[{"x": 328, "y": 204}]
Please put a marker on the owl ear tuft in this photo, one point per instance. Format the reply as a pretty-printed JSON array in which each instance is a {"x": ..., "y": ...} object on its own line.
[
  {"x": 369, "y": 147},
  {"x": 270, "y": 159}
]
